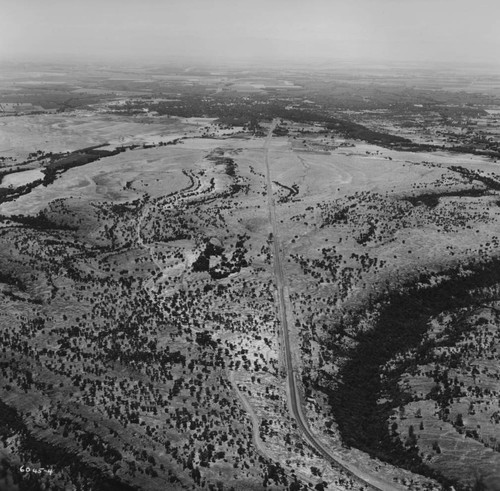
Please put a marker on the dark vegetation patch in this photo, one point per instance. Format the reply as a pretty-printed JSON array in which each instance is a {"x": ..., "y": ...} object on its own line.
[
  {"x": 493, "y": 152},
  {"x": 202, "y": 263},
  {"x": 62, "y": 163},
  {"x": 58, "y": 164},
  {"x": 472, "y": 175},
  {"x": 10, "y": 279},
  {"x": 365, "y": 236},
  {"x": 237, "y": 109},
  {"x": 234, "y": 263},
  {"x": 432, "y": 199},
  {"x": 39, "y": 221},
  {"x": 357, "y": 131},
  {"x": 10, "y": 194},
  {"x": 280, "y": 131},
  {"x": 363, "y": 423},
  {"x": 124, "y": 208},
  {"x": 233, "y": 109},
  {"x": 291, "y": 192},
  {"x": 228, "y": 265},
  {"x": 217, "y": 156},
  {"x": 460, "y": 112}
]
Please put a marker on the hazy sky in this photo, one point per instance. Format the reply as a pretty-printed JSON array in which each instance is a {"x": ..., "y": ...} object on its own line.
[{"x": 252, "y": 30}]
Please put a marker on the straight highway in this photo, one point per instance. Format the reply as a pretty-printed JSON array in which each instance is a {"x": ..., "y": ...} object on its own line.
[{"x": 285, "y": 311}]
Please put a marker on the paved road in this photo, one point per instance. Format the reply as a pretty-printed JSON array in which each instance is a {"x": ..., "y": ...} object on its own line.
[{"x": 293, "y": 391}]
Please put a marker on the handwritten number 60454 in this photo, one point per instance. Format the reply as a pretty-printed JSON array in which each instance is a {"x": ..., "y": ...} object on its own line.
[{"x": 35, "y": 470}]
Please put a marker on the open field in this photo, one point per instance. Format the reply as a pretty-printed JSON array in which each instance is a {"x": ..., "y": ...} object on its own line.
[
  {"x": 21, "y": 178},
  {"x": 22, "y": 135}
]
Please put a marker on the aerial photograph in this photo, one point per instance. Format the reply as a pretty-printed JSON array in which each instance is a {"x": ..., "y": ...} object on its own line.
[{"x": 249, "y": 245}]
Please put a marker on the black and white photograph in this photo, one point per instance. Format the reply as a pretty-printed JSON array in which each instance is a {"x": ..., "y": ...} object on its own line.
[{"x": 249, "y": 245}]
